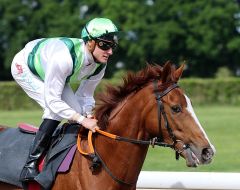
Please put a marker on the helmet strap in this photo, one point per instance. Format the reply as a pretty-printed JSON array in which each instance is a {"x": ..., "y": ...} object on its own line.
[{"x": 91, "y": 44}]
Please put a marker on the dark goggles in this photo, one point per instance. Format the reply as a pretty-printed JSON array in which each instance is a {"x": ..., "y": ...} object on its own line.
[
  {"x": 103, "y": 44},
  {"x": 106, "y": 45}
]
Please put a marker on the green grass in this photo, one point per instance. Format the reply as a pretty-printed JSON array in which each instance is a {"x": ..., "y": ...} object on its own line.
[
  {"x": 221, "y": 123},
  {"x": 12, "y": 118}
]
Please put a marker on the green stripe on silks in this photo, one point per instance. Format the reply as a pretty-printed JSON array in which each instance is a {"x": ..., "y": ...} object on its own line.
[
  {"x": 34, "y": 62},
  {"x": 97, "y": 70},
  {"x": 31, "y": 63},
  {"x": 70, "y": 44},
  {"x": 74, "y": 49}
]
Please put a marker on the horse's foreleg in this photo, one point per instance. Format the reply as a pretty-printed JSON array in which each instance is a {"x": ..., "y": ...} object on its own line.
[{"x": 6, "y": 186}]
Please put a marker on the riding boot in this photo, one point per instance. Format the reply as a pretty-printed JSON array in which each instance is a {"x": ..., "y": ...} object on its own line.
[{"x": 40, "y": 145}]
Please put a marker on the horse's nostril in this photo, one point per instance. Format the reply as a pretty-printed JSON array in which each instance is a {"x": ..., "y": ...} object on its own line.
[{"x": 207, "y": 154}]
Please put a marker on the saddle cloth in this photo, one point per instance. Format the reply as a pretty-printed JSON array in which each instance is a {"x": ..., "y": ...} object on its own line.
[{"x": 14, "y": 150}]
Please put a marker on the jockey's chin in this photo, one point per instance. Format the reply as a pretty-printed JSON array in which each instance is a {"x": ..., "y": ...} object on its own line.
[{"x": 103, "y": 59}]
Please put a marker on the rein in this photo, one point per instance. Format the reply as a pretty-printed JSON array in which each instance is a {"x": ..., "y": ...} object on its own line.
[
  {"x": 93, "y": 153},
  {"x": 154, "y": 141},
  {"x": 117, "y": 138}
]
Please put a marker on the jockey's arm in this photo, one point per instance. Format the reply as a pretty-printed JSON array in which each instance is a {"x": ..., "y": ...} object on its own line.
[
  {"x": 85, "y": 93},
  {"x": 58, "y": 69},
  {"x": 55, "y": 80}
]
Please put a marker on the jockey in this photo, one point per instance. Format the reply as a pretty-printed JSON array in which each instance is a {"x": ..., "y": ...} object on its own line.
[{"x": 46, "y": 69}]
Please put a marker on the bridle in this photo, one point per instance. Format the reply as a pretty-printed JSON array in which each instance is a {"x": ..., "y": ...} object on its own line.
[
  {"x": 159, "y": 140},
  {"x": 161, "y": 110}
]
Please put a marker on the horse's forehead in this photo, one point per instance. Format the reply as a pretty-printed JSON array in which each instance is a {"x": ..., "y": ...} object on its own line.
[{"x": 178, "y": 97}]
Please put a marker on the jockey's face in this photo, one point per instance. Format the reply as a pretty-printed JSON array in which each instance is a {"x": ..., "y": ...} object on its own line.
[{"x": 103, "y": 49}]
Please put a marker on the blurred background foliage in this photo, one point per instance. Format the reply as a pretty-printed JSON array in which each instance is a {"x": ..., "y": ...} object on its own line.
[{"x": 204, "y": 33}]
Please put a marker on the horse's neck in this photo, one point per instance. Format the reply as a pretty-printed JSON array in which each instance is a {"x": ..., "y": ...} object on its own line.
[
  {"x": 123, "y": 159},
  {"x": 129, "y": 157},
  {"x": 125, "y": 119}
]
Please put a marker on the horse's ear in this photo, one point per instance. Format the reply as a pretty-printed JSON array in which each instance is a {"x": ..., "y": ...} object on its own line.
[
  {"x": 166, "y": 73},
  {"x": 178, "y": 73}
]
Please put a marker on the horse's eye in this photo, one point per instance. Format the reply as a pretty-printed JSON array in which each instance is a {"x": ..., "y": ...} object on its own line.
[{"x": 176, "y": 109}]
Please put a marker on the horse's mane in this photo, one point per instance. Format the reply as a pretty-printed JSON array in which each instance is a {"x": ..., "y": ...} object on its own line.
[{"x": 132, "y": 82}]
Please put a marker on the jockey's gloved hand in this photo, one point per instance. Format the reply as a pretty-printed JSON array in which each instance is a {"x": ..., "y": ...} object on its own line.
[
  {"x": 88, "y": 123},
  {"x": 89, "y": 114}
]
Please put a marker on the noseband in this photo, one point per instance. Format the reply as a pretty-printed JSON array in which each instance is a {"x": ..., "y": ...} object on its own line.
[{"x": 159, "y": 140}]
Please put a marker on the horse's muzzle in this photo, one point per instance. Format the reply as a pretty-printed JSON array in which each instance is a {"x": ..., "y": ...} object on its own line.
[
  {"x": 207, "y": 154},
  {"x": 195, "y": 157}
]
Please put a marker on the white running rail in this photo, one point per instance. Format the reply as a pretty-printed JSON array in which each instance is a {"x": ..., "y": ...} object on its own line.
[{"x": 188, "y": 180}]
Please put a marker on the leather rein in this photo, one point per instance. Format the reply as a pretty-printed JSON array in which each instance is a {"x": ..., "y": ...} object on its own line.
[{"x": 159, "y": 141}]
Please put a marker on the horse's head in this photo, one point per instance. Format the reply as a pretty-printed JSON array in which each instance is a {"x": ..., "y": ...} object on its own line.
[
  {"x": 171, "y": 117},
  {"x": 151, "y": 104}
]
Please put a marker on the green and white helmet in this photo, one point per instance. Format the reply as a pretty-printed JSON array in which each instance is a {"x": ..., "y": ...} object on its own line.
[{"x": 100, "y": 28}]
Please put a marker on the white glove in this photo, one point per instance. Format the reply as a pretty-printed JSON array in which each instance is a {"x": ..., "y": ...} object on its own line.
[{"x": 88, "y": 123}]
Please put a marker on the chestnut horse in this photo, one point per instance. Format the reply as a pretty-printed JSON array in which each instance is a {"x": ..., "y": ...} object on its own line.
[{"x": 149, "y": 104}]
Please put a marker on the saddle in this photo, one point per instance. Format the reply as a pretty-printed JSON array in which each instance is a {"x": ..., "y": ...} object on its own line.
[
  {"x": 14, "y": 150},
  {"x": 65, "y": 164}
]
